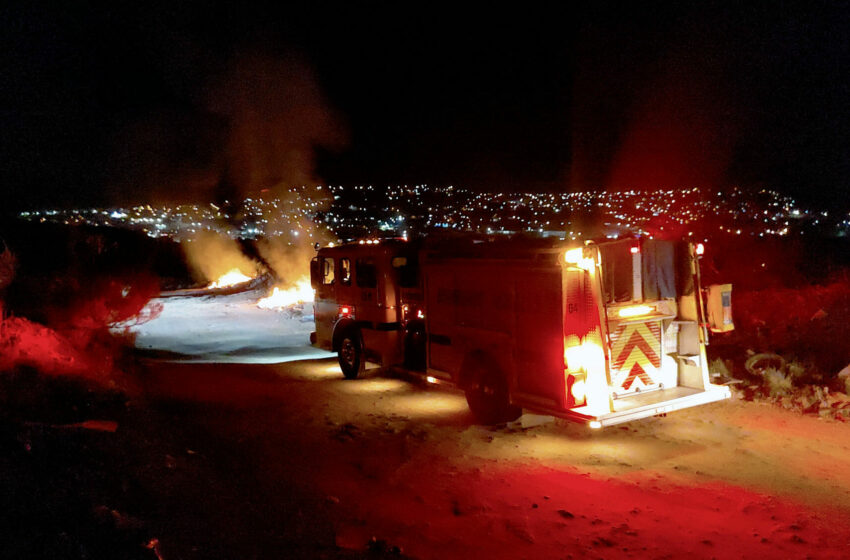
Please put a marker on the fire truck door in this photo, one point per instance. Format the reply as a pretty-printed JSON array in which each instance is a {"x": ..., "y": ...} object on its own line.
[
  {"x": 366, "y": 275},
  {"x": 323, "y": 279},
  {"x": 538, "y": 336}
]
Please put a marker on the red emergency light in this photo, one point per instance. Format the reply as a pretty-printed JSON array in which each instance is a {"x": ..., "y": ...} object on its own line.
[
  {"x": 635, "y": 250},
  {"x": 346, "y": 310}
]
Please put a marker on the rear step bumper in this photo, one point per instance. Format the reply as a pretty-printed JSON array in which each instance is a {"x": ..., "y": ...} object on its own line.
[{"x": 649, "y": 404}]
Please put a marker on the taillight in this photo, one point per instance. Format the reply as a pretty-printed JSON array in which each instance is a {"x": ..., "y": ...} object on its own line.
[
  {"x": 576, "y": 389},
  {"x": 346, "y": 310},
  {"x": 581, "y": 361}
]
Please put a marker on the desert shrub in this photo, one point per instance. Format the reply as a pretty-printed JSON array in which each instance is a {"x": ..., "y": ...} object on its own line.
[
  {"x": 71, "y": 287},
  {"x": 808, "y": 322},
  {"x": 778, "y": 383}
]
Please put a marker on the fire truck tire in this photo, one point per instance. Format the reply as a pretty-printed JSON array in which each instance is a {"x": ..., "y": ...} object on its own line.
[
  {"x": 350, "y": 354},
  {"x": 488, "y": 398}
]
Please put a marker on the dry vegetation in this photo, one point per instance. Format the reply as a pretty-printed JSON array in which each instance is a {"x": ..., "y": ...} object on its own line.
[{"x": 791, "y": 343}]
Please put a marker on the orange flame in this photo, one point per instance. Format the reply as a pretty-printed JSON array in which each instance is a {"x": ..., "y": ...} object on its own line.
[
  {"x": 231, "y": 278},
  {"x": 278, "y": 299}
]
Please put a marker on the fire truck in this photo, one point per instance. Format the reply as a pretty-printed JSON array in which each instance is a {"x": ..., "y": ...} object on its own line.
[{"x": 601, "y": 333}]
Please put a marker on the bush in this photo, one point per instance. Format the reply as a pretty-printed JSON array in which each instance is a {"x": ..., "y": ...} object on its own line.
[{"x": 778, "y": 384}]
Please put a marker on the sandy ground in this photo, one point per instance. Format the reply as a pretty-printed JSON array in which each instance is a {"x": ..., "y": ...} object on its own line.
[{"x": 401, "y": 465}]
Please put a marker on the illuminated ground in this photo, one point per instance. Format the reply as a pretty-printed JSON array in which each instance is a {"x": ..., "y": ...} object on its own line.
[
  {"x": 383, "y": 458},
  {"x": 228, "y": 329},
  {"x": 265, "y": 457},
  {"x": 404, "y": 464}
]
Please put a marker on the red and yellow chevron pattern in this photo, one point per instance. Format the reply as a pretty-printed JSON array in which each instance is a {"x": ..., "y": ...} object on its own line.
[{"x": 635, "y": 356}]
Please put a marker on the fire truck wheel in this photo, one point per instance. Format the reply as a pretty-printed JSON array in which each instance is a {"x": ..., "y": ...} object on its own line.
[
  {"x": 488, "y": 398},
  {"x": 351, "y": 354}
]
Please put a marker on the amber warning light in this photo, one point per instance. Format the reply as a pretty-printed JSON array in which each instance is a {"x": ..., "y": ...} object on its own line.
[{"x": 635, "y": 311}]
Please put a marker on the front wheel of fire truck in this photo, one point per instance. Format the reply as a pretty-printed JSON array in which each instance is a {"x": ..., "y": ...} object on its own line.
[
  {"x": 351, "y": 354},
  {"x": 488, "y": 396}
]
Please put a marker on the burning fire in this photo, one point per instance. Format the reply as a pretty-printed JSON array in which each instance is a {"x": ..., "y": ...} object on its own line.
[
  {"x": 231, "y": 278},
  {"x": 278, "y": 299}
]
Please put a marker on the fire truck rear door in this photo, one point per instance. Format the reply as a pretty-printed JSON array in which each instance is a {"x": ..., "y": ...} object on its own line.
[{"x": 538, "y": 336}]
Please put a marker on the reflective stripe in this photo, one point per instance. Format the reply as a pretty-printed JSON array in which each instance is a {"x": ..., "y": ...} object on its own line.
[{"x": 635, "y": 356}]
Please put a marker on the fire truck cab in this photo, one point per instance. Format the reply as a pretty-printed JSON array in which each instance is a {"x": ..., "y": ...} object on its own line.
[
  {"x": 601, "y": 333},
  {"x": 357, "y": 305}
]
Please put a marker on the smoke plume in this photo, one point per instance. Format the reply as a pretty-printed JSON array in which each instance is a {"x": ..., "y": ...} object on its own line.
[
  {"x": 289, "y": 244},
  {"x": 212, "y": 254},
  {"x": 275, "y": 115}
]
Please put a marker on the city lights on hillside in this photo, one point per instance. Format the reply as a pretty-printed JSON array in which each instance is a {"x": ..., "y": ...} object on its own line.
[{"x": 365, "y": 211}]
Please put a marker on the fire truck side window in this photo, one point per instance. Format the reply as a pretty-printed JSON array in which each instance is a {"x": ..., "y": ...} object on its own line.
[
  {"x": 408, "y": 274},
  {"x": 365, "y": 274},
  {"x": 345, "y": 271},
  {"x": 328, "y": 274},
  {"x": 315, "y": 273}
]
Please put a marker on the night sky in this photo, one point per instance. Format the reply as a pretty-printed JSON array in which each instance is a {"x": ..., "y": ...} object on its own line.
[{"x": 158, "y": 102}]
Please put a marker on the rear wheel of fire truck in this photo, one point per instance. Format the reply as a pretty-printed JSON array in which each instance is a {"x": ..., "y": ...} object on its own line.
[
  {"x": 351, "y": 354},
  {"x": 487, "y": 395}
]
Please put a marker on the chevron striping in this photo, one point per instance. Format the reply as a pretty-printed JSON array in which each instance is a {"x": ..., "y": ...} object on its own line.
[
  {"x": 636, "y": 356},
  {"x": 635, "y": 353},
  {"x": 651, "y": 333},
  {"x": 636, "y": 342},
  {"x": 636, "y": 373}
]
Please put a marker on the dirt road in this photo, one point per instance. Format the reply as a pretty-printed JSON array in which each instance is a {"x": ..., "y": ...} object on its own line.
[{"x": 293, "y": 457}]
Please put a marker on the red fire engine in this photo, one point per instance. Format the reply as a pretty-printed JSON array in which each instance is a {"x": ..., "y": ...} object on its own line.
[{"x": 602, "y": 333}]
